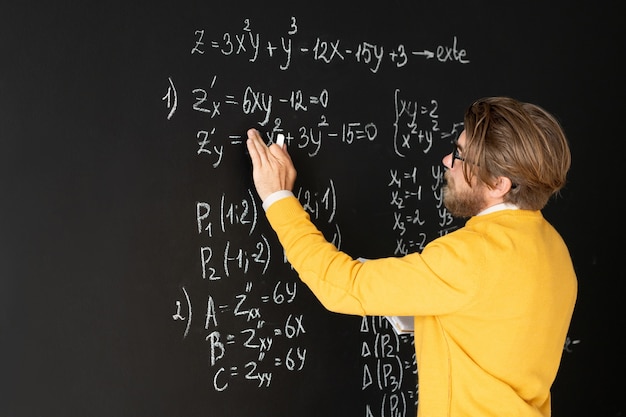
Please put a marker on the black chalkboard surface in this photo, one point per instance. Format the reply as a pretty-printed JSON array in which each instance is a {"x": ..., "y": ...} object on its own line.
[{"x": 138, "y": 274}]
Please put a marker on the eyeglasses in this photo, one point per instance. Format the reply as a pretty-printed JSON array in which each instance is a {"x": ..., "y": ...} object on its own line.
[{"x": 456, "y": 154}]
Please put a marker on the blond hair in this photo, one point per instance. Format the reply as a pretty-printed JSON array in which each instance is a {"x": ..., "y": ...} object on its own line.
[{"x": 520, "y": 141}]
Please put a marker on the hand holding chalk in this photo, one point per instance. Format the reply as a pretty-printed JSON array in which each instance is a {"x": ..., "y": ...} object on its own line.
[{"x": 272, "y": 168}]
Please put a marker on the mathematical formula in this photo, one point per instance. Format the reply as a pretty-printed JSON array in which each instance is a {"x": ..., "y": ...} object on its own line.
[
  {"x": 243, "y": 304},
  {"x": 251, "y": 45}
]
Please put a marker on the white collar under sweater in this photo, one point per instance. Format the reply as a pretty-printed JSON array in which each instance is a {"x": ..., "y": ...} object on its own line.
[{"x": 498, "y": 207}]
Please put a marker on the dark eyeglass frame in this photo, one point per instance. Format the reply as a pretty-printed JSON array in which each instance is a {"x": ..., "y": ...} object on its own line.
[{"x": 456, "y": 154}]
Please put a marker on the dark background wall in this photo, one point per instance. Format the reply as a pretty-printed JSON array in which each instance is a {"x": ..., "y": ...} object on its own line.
[{"x": 138, "y": 276}]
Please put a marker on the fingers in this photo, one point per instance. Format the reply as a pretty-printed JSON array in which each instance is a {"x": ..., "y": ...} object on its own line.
[
  {"x": 254, "y": 136},
  {"x": 261, "y": 153},
  {"x": 272, "y": 168},
  {"x": 256, "y": 147}
]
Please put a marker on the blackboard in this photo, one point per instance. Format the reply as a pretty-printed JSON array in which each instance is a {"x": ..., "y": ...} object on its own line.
[{"x": 138, "y": 274}]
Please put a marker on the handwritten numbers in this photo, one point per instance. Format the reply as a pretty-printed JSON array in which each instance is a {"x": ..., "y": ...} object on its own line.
[
  {"x": 246, "y": 306},
  {"x": 171, "y": 98}
]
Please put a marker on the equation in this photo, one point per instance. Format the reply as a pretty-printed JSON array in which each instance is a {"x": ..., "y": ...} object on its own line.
[
  {"x": 252, "y": 45},
  {"x": 410, "y": 134},
  {"x": 246, "y": 333},
  {"x": 244, "y": 305},
  {"x": 389, "y": 369}
]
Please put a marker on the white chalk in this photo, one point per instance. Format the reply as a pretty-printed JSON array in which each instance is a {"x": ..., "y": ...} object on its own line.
[{"x": 280, "y": 139}]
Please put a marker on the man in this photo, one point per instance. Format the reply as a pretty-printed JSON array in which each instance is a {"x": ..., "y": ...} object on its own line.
[{"x": 492, "y": 300}]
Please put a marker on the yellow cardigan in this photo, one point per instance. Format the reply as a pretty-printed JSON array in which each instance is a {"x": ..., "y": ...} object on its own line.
[{"x": 492, "y": 303}]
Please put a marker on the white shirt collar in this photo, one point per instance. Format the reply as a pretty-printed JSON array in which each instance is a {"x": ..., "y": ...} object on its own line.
[{"x": 498, "y": 207}]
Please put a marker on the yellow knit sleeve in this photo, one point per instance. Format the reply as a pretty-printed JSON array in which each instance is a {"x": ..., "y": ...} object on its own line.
[{"x": 390, "y": 286}]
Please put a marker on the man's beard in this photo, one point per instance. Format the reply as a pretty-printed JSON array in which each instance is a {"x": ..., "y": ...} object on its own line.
[{"x": 462, "y": 203}]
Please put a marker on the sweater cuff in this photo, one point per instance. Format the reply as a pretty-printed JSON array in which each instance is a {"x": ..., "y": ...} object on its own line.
[{"x": 274, "y": 197}]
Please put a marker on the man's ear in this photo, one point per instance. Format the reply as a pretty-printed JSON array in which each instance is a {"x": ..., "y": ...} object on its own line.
[{"x": 500, "y": 187}]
